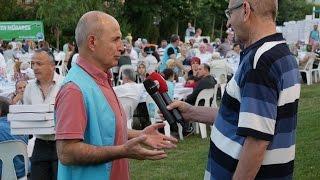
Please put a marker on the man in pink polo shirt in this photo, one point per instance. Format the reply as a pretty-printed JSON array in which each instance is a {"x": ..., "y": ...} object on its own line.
[{"x": 98, "y": 37}]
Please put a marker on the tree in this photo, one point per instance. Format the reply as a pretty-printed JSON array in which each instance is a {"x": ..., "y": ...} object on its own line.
[
  {"x": 62, "y": 15},
  {"x": 152, "y": 19},
  {"x": 12, "y": 11},
  {"x": 293, "y": 10}
]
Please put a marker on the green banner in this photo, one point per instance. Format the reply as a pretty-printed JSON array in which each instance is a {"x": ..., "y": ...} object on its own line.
[{"x": 32, "y": 30}]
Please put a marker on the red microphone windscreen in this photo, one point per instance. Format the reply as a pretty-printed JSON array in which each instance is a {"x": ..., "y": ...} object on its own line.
[{"x": 162, "y": 83}]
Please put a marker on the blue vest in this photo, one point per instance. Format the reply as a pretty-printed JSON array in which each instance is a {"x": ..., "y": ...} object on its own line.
[
  {"x": 100, "y": 130},
  {"x": 165, "y": 58},
  {"x": 314, "y": 35}
]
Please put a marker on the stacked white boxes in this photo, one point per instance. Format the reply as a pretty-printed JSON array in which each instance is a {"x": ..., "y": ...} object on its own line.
[{"x": 31, "y": 119}]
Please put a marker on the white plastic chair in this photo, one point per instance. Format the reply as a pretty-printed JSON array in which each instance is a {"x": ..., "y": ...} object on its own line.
[
  {"x": 206, "y": 95},
  {"x": 122, "y": 68},
  {"x": 8, "y": 151},
  {"x": 307, "y": 70},
  {"x": 154, "y": 117},
  {"x": 61, "y": 65},
  {"x": 129, "y": 105},
  {"x": 315, "y": 73},
  {"x": 10, "y": 66},
  {"x": 220, "y": 74},
  {"x": 114, "y": 70}
]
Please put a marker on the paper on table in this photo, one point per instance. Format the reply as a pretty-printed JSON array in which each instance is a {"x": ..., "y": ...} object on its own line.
[
  {"x": 26, "y": 131},
  {"x": 30, "y": 116},
  {"x": 32, "y": 124},
  {"x": 40, "y": 108}
]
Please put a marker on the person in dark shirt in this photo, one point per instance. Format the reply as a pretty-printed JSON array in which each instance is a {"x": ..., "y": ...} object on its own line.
[{"x": 206, "y": 81}]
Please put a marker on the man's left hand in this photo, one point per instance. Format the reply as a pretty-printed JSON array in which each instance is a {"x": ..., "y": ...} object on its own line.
[{"x": 157, "y": 140}]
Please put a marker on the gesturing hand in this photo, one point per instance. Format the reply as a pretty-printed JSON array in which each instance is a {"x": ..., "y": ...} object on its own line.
[
  {"x": 156, "y": 140},
  {"x": 134, "y": 150}
]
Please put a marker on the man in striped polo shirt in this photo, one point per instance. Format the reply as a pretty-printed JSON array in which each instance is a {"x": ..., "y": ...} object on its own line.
[{"x": 253, "y": 135}]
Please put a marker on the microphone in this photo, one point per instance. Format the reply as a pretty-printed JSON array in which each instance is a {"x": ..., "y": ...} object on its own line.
[
  {"x": 163, "y": 89},
  {"x": 152, "y": 89}
]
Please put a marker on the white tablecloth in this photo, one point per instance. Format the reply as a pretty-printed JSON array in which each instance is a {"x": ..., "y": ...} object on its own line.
[
  {"x": 181, "y": 92},
  {"x": 220, "y": 68},
  {"x": 6, "y": 88}
]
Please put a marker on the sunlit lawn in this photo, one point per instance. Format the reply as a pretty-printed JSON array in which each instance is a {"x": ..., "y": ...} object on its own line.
[{"x": 188, "y": 161}]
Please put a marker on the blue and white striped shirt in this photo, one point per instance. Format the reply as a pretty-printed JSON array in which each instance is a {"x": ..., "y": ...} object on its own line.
[{"x": 260, "y": 101}]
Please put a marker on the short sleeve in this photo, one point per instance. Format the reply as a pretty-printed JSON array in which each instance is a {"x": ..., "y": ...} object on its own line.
[
  {"x": 71, "y": 119},
  {"x": 258, "y": 109}
]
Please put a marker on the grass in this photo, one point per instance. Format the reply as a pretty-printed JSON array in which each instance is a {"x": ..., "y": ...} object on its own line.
[
  {"x": 188, "y": 161},
  {"x": 307, "y": 164}
]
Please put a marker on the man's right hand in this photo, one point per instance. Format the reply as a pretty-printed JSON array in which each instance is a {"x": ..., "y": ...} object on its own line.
[
  {"x": 17, "y": 98},
  {"x": 182, "y": 106},
  {"x": 191, "y": 113},
  {"x": 134, "y": 149}
]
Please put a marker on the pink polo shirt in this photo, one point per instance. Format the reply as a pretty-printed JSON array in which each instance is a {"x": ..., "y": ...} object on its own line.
[{"x": 72, "y": 119}]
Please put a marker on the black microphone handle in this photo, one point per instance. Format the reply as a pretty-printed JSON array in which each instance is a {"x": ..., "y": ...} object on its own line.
[
  {"x": 175, "y": 112},
  {"x": 163, "y": 107}
]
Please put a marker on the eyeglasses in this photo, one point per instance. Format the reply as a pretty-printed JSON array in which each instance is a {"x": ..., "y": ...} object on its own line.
[{"x": 228, "y": 11}]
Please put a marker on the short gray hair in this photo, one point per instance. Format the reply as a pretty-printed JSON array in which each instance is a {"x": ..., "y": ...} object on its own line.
[
  {"x": 48, "y": 53},
  {"x": 86, "y": 26},
  {"x": 129, "y": 73},
  {"x": 81, "y": 31}
]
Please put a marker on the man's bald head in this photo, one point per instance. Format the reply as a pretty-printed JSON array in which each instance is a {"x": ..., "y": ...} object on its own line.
[
  {"x": 92, "y": 23},
  {"x": 263, "y": 8}
]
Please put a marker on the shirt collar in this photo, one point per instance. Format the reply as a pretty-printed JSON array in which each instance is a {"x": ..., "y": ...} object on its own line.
[
  {"x": 273, "y": 37},
  {"x": 95, "y": 72},
  {"x": 56, "y": 79}
]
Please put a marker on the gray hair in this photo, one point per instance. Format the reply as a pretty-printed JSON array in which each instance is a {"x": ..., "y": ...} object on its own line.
[
  {"x": 89, "y": 23},
  {"x": 48, "y": 53},
  {"x": 82, "y": 30},
  {"x": 129, "y": 73}
]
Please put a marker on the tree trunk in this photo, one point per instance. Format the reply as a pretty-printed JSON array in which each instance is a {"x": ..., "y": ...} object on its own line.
[
  {"x": 221, "y": 29},
  {"x": 177, "y": 27},
  {"x": 213, "y": 25},
  {"x": 57, "y": 33}
]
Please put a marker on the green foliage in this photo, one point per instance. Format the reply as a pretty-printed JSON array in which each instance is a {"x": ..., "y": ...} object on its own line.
[
  {"x": 152, "y": 19},
  {"x": 61, "y": 16},
  {"x": 290, "y": 10},
  {"x": 157, "y": 19},
  {"x": 12, "y": 11}
]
